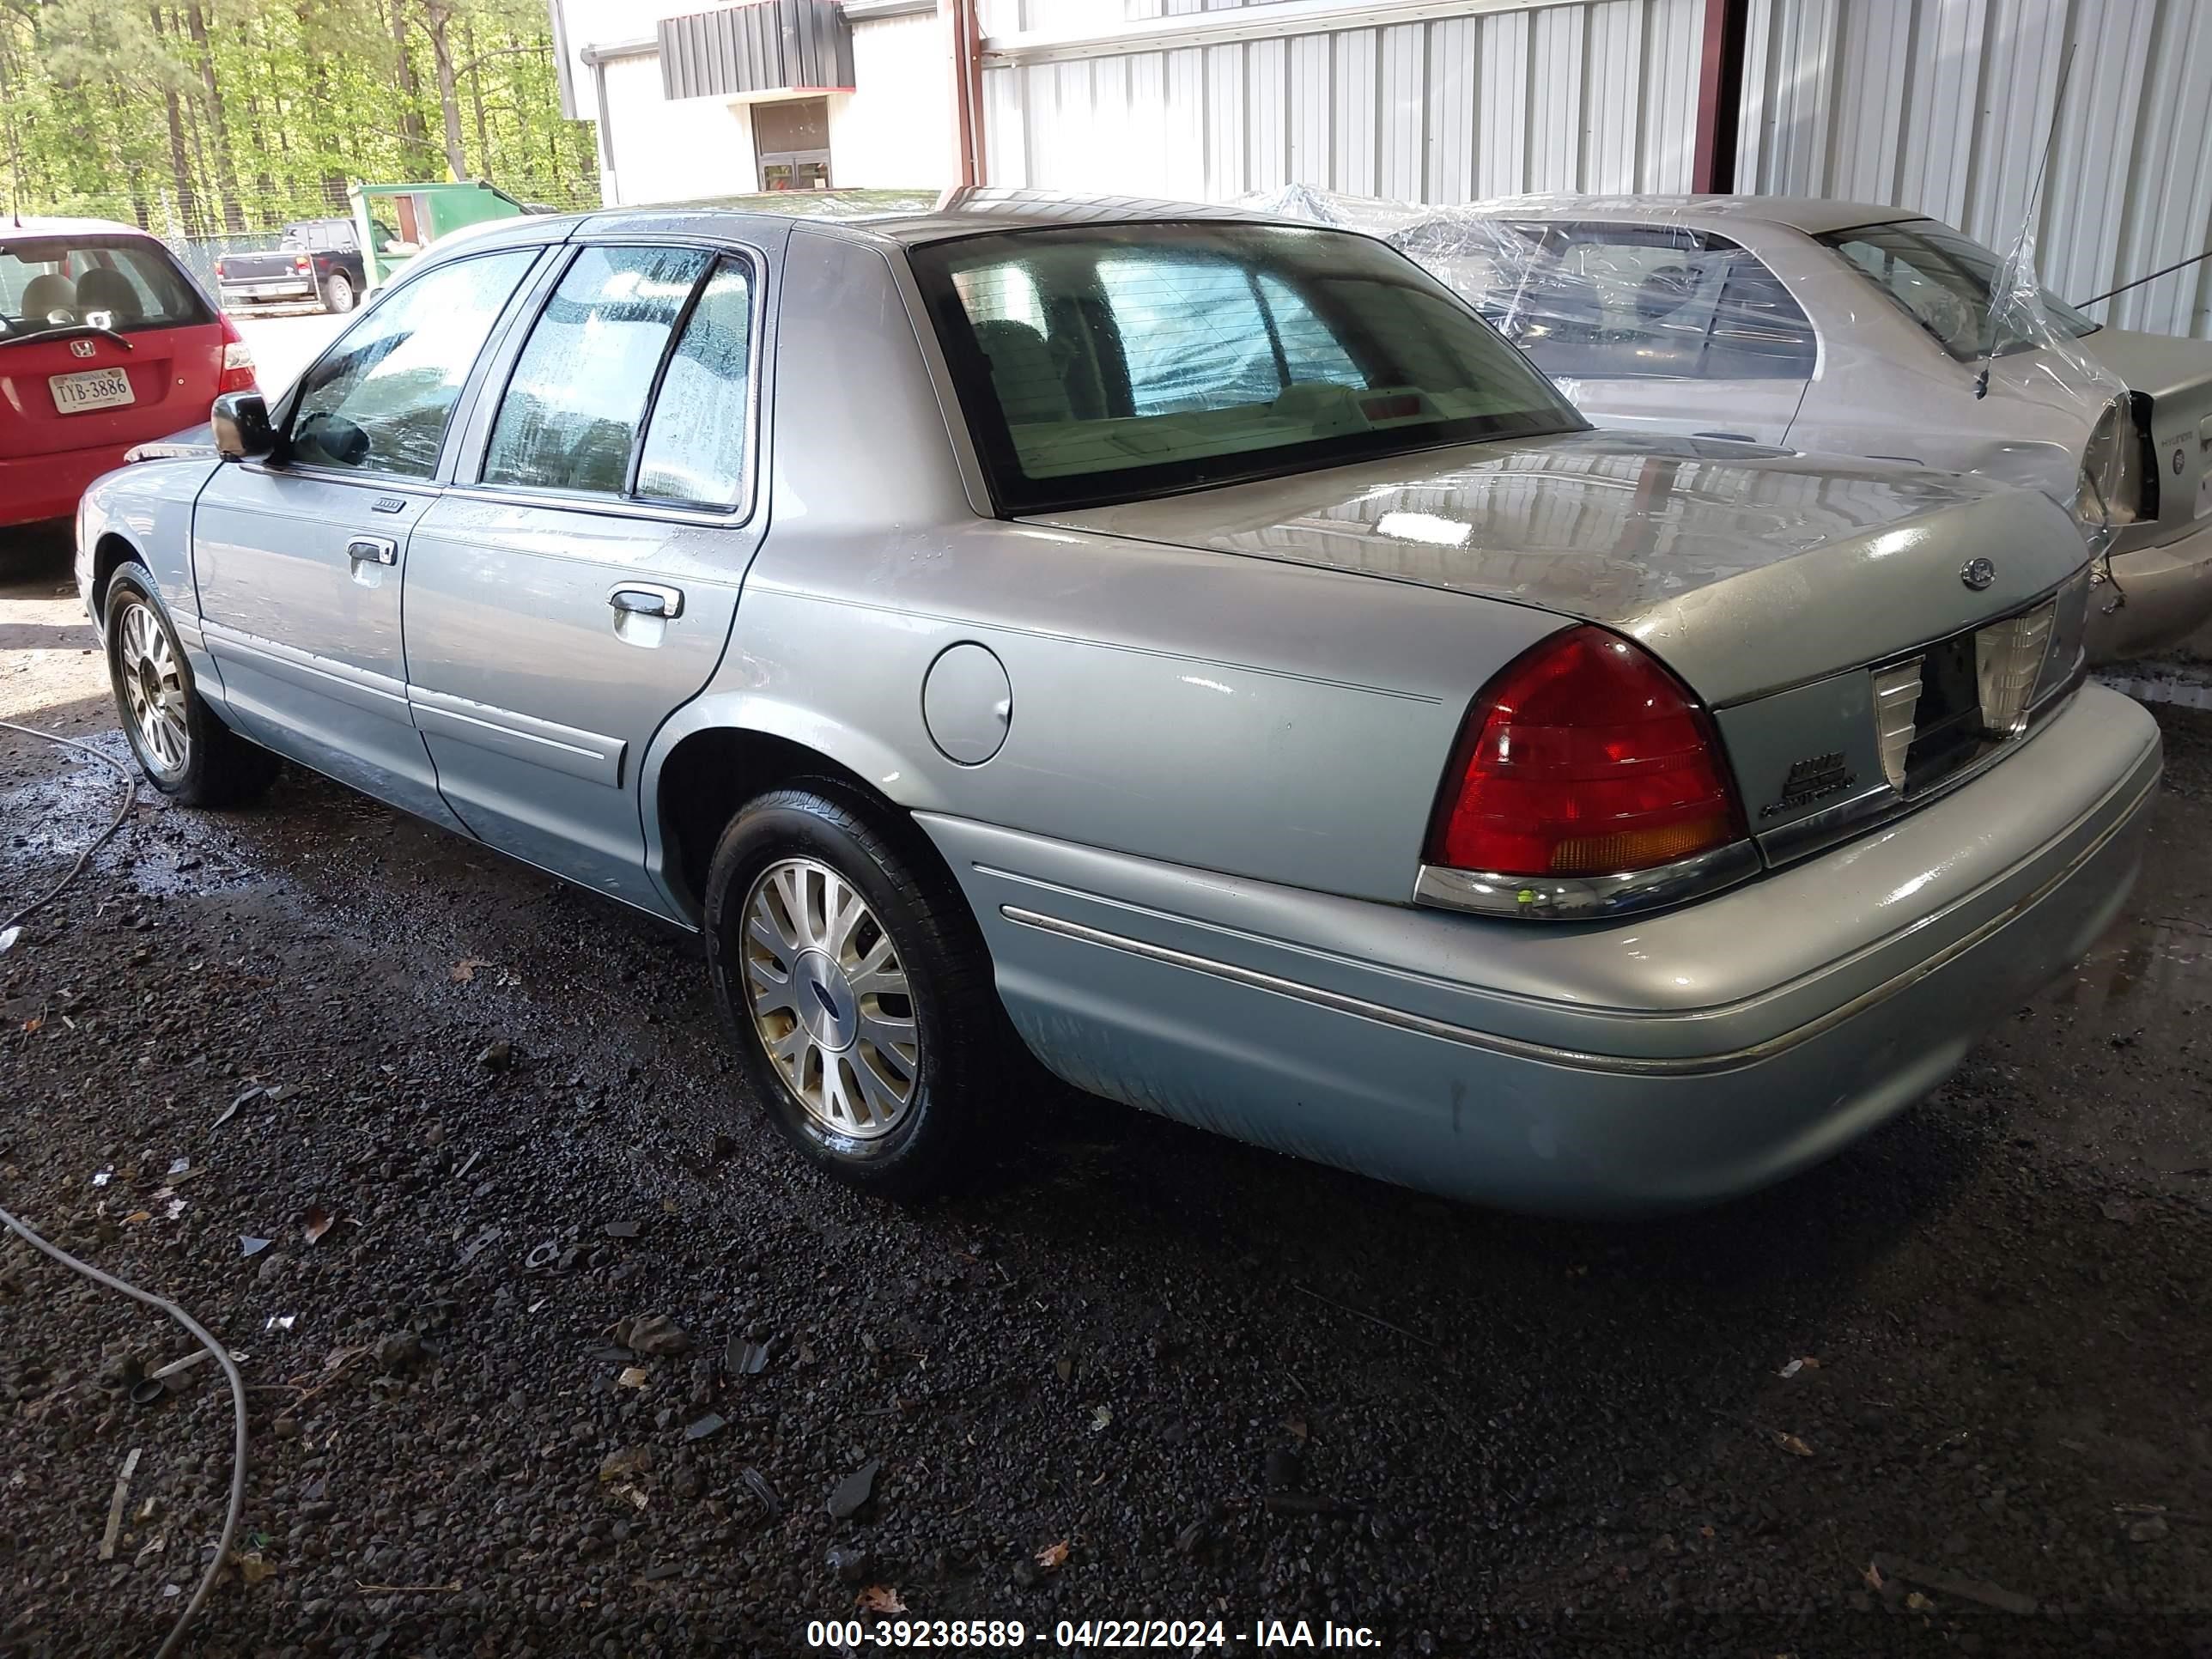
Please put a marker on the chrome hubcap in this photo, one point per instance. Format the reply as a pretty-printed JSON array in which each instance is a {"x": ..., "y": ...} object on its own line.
[
  {"x": 154, "y": 689},
  {"x": 830, "y": 999}
]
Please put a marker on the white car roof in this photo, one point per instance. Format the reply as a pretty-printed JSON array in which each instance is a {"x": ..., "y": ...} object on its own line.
[
  {"x": 1815, "y": 215},
  {"x": 30, "y": 225}
]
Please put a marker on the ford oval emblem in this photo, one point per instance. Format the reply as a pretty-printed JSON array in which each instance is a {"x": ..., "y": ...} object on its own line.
[
  {"x": 81, "y": 348},
  {"x": 1977, "y": 574}
]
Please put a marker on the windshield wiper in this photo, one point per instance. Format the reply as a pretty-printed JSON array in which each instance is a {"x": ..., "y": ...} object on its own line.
[{"x": 63, "y": 332}]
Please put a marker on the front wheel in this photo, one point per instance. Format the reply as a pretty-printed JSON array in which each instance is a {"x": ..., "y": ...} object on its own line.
[
  {"x": 856, "y": 990},
  {"x": 338, "y": 293},
  {"x": 184, "y": 750}
]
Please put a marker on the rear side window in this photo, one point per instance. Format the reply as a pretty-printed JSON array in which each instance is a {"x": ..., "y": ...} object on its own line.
[
  {"x": 379, "y": 400},
  {"x": 630, "y": 327},
  {"x": 1964, "y": 295},
  {"x": 577, "y": 397},
  {"x": 125, "y": 283},
  {"x": 694, "y": 447},
  {"x": 1654, "y": 302}
]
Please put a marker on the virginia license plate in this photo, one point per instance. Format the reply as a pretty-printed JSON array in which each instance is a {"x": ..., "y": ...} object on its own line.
[{"x": 98, "y": 388}]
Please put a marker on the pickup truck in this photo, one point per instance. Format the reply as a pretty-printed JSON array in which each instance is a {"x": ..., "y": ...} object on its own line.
[{"x": 318, "y": 259}]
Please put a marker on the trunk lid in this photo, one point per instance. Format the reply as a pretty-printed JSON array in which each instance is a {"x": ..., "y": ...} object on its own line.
[
  {"x": 169, "y": 374},
  {"x": 1745, "y": 570},
  {"x": 1867, "y": 635},
  {"x": 2176, "y": 376}
]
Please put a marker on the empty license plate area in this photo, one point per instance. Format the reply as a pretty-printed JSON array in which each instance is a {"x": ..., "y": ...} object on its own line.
[{"x": 1973, "y": 693}]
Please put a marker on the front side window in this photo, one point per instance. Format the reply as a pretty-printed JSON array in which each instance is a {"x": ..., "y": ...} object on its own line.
[
  {"x": 576, "y": 399},
  {"x": 379, "y": 400},
  {"x": 1947, "y": 283},
  {"x": 1653, "y": 302},
  {"x": 1107, "y": 363},
  {"x": 124, "y": 284}
]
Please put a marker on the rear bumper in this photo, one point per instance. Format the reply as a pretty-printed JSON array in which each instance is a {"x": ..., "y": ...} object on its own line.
[
  {"x": 2168, "y": 597},
  {"x": 1615, "y": 1068},
  {"x": 301, "y": 286},
  {"x": 38, "y": 486}
]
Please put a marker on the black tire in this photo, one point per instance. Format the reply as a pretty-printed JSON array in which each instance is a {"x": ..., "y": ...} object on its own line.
[
  {"x": 964, "y": 1039},
  {"x": 338, "y": 293},
  {"x": 218, "y": 768}
]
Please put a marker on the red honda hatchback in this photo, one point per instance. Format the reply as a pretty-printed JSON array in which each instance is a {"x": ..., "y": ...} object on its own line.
[{"x": 105, "y": 341}]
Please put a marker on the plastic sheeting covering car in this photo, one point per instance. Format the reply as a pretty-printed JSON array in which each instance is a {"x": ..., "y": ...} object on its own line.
[{"x": 1623, "y": 320}]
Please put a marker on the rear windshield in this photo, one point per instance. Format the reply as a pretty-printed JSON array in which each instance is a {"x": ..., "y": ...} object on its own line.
[
  {"x": 1943, "y": 280},
  {"x": 120, "y": 282},
  {"x": 322, "y": 234},
  {"x": 1107, "y": 363}
]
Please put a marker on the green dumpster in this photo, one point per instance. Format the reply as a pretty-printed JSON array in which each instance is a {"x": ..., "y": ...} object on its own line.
[{"x": 420, "y": 215}]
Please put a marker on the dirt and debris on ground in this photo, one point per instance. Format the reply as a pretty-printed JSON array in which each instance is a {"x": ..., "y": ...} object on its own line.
[{"x": 553, "y": 1350}]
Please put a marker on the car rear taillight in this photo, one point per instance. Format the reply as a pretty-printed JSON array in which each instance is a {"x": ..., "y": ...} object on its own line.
[
  {"x": 237, "y": 360},
  {"x": 1584, "y": 757},
  {"x": 218, "y": 270},
  {"x": 299, "y": 261}
]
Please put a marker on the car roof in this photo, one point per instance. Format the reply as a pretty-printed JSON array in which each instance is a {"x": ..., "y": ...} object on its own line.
[
  {"x": 962, "y": 213},
  {"x": 31, "y": 225},
  {"x": 983, "y": 211},
  {"x": 1815, "y": 215},
  {"x": 977, "y": 212}
]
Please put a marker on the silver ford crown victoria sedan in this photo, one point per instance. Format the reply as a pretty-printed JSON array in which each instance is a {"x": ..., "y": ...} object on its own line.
[{"x": 1364, "y": 758}]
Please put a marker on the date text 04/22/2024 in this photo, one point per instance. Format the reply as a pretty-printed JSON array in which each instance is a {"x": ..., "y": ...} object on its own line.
[{"x": 1089, "y": 1635}]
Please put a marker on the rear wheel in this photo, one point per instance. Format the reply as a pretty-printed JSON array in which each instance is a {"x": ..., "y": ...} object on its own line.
[
  {"x": 184, "y": 750},
  {"x": 856, "y": 990},
  {"x": 337, "y": 293}
]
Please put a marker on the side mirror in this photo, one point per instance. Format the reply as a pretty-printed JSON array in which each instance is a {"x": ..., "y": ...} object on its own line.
[{"x": 240, "y": 420}]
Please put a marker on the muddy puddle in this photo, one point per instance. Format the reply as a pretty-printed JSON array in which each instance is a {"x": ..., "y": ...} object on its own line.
[{"x": 2144, "y": 968}]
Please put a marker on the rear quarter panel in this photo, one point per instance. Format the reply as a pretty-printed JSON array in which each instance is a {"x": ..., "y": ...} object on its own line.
[
  {"x": 1886, "y": 391},
  {"x": 1285, "y": 724}
]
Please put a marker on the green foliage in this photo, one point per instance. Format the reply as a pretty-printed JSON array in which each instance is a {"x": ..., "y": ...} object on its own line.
[{"x": 205, "y": 118}]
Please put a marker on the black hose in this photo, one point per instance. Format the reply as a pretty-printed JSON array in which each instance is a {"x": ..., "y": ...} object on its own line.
[
  {"x": 130, "y": 799},
  {"x": 237, "y": 1399},
  {"x": 199, "y": 1334}
]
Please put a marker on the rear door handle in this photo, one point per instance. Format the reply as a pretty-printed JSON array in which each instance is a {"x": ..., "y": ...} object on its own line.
[
  {"x": 647, "y": 600},
  {"x": 372, "y": 549}
]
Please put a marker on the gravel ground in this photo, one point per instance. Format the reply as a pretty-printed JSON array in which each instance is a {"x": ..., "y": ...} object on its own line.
[{"x": 1945, "y": 1394}]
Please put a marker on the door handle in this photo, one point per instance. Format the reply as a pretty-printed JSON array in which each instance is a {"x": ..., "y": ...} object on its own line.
[
  {"x": 647, "y": 600},
  {"x": 372, "y": 549}
]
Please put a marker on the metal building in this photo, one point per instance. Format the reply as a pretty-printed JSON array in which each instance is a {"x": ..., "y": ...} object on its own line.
[{"x": 1942, "y": 106}]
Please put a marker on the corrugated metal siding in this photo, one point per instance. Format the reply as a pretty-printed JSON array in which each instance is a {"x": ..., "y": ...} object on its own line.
[
  {"x": 1585, "y": 95},
  {"x": 763, "y": 47},
  {"x": 1946, "y": 104}
]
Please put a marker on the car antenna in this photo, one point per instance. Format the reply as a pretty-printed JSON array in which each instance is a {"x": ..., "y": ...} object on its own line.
[
  {"x": 2027, "y": 217},
  {"x": 2163, "y": 271}
]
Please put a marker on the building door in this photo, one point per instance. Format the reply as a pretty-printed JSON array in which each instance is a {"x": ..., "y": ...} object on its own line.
[{"x": 792, "y": 140}]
